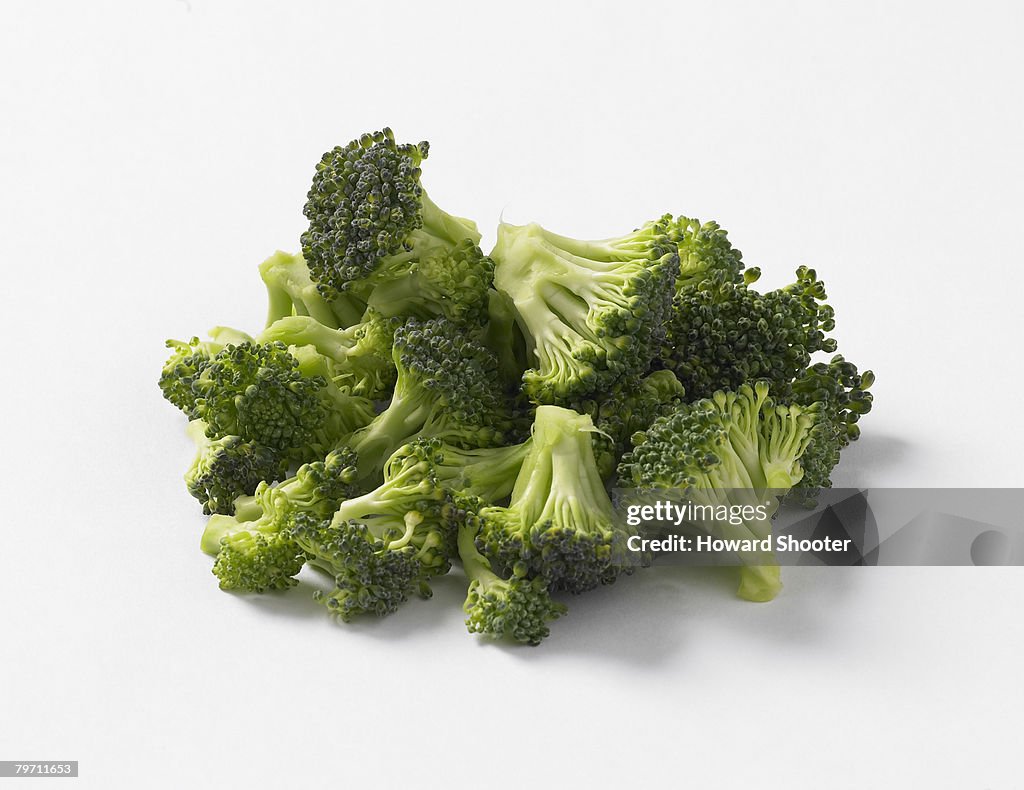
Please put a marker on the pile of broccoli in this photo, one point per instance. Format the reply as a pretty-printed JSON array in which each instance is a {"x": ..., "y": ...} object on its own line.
[{"x": 413, "y": 404}]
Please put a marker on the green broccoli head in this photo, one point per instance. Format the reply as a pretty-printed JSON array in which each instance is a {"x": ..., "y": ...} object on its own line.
[
  {"x": 256, "y": 550},
  {"x": 447, "y": 387},
  {"x": 733, "y": 440},
  {"x": 281, "y": 398},
  {"x": 385, "y": 545},
  {"x": 367, "y": 210},
  {"x": 558, "y": 524},
  {"x": 706, "y": 254},
  {"x": 727, "y": 334},
  {"x": 370, "y": 577},
  {"x": 360, "y": 355},
  {"x": 592, "y": 312},
  {"x": 628, "y": 407},
  {"x": 840, "y": 395},
  {"x": 444, "y": 281},
  {"x": 516, "y": 607},
  {"x": 227, "y": 468},
  {"x": 254, "y": 556},
  {"x": 730, "y": 449},
  {"x": 188, "y": 361}
]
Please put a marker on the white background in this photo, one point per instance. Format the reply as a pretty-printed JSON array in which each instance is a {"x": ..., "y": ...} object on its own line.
[{"x": 152, "y": 153}]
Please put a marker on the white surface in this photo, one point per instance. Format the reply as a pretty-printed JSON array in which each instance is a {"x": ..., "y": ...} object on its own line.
[{"x": 153, "y": 153}]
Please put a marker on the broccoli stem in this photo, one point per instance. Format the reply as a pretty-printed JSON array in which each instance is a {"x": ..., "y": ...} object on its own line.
[
  {"x": 300, "y": 330},
  {"x": 759, "y": 583},
  {"x": 388, "y": 431},
  {"x": 441, "y": 224},
  {"x": 396, "y": 296},
  {"x": 217, "y": 528},
  {"x": 476, "y": 566}
]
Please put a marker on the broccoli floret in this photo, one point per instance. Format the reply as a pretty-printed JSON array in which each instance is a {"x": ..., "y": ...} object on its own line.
[
  {"x": 629, "y": 406},
  {"x": 368, "y": 215},
  {"x": 447, "y": 387},
  {"x": 727, "y": 334},
  {"x": 256, "y": 556},
  {"x": 256, "y": 550},
  {"x": 385, "y": 545},
  {"x": 592, "y": 312},
  {"x": 840, "y": 394},
  {"x": 517, "y": 607},
  {"x": 361, "y": 354},
  {"x": 558, "y": 523},
  {"x": 291, "y": 291},
  {"x": 227, "y": 468},
  {"x": 487, "y": 473},
  {"x": 731, "y": 449},
  {"x": 445, "y": 281},
  {"x": 188, "y": 361},
  {"x": 706, "y": 254},
  {"x": 280, "y": 397}
]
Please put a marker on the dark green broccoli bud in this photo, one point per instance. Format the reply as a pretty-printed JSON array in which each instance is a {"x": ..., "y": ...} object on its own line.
[
  {"x": 516, "y": 607},
  {"x": 227, "y": 468},
  {"x": 256, "y": 556},
  {"x": 291, "y": 291},
  {"x": 558, "y": 524},
  {"x": 706, "y": 254},
  {"x": 446, "y": 281},
  {"x": 732, "y": 449},
  {"x": 629, "y": 406},
  {"x": 592, "y": 312},
  {"x": 188, "y": 361},
  {"x": 727, "y": 334},
  {"x": 841, "y": 396},
  {"x": 447, "y": 387},
  {"x": 367, "y": 210},
  {"x": 383, "y": 546},
  {"x": 369, "y": 576},
  {"x": 361, "y": 354},
  {"x": 278, "y": 397},
  {"x": 256, "y": 550}
]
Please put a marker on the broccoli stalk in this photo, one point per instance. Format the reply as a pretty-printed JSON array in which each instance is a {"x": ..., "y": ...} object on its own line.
[
  {"x": 488, "y": 474},
  {"x": 291, "y": 291},
  {"x": 503, "y": 337},
  {"x": 591, "y": 311}
]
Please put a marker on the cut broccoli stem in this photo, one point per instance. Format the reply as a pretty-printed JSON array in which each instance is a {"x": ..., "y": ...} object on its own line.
[{"x": 218, "y": 526}]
